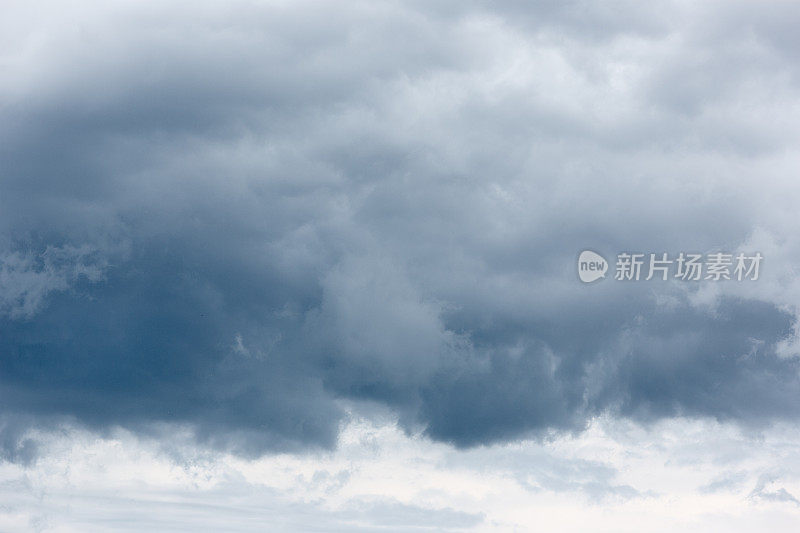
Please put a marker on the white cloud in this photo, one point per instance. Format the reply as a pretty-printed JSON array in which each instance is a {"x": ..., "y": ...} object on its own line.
[{"x": 381, "y": 477}]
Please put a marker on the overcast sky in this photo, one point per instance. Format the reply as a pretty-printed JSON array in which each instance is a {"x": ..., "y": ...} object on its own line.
[{"x": 313, "y": 265}]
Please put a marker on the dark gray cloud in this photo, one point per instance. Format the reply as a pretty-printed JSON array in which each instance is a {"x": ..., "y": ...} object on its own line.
[{"x": 233, "y": 217}]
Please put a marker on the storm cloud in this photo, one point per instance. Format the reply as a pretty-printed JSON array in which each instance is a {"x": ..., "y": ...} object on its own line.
[{"x": 235, "y": 217}]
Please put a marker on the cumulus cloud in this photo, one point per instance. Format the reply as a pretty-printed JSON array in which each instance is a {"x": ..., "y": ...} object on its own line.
[{"x": 234, "y": 217}]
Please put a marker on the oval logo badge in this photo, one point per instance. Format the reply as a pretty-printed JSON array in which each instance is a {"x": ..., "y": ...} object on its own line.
[{"x": 591, "y": 266}]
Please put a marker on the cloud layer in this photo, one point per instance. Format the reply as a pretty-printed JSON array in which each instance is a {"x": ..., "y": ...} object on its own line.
[{"x": 234, "y": 217}]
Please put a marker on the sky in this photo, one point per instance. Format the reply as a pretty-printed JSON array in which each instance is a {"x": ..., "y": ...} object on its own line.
[{"x": 312, "y": 266}]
